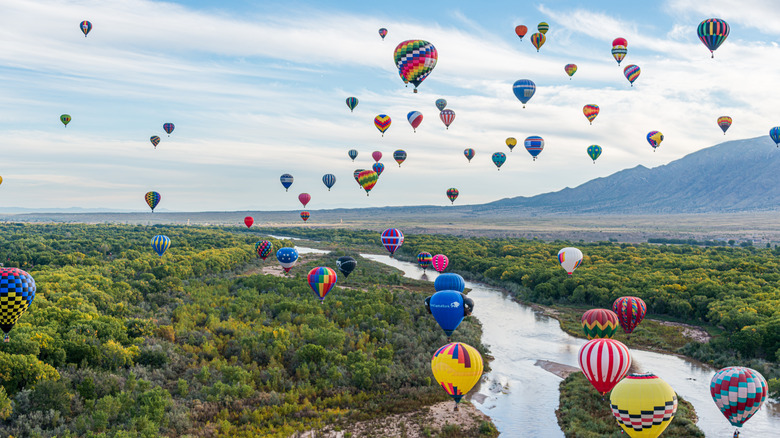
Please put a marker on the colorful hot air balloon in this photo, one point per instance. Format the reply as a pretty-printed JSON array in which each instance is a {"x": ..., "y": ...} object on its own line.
[
  {"x": 17, "y": 292},
  {"x": 155, "y": 140},
  {"x": 376, "y": 155},
  {"x": 321, "y": 281},
  {"x": 452, "y": 194},
  {"x": 620, "y": 42},
  {"x": 631, "y": 72},
  {"x": 524, "y": 90},
  {"x": 594, "y": 151},
  {"x": 450, "y": 282},
  {"x": 248, "y": 221},
  {"x": 168, "y": 127},
  {"x": 440, "y": 262},
  {"x": 724, "y": 122},
  {"x": 424, "y": 260},
  {"x": 382, "y": 123},
  {"x": 457, "y": 367},
  {"x": 414, "y": 118},
  {"x": 152, "y": 199},
  {"x": 378, "y": 168},
  {"x": 774, "y": 133},
  {"x": 415, "y": 60},
  {"x": 511, "y": 142},
  {"x": 286, "y": 180},
  {"x": 263, "y": 248},
  {"x": 329, "y": 179},
  {"x": 570, "y": 69},
  {"x": 356, "y": 174},
  {"x": 399, "y": 156},
  {"x": 448, "y": 309},
  {"x": 599, "y": 323},
  {"x": 643, "y": 405},
  {"x": 521, "y": 30},
  {"x": 352, "y": 102},
  {"x": 346, "y": 265},
  {"x": 604, "y": 362},
  {"x": 498, "y": 159},
  {"x": 655, "y": 138},
  {"x": 712, "y": 32},
  {"x": 630, "y": 311},
  {"x": 441, "y": 104},
  {"x": 1, "y": 179},
  {"x": 392, "y": 239},
  {"x": 739, "y": 393},
  {"x": 287, "y": 257},
  {"x": 65, "y": 119},
  {"x": 85, "y": 26},
  {"x": 383, "y": 33},
  {"x": 367, "y": 180},
  {"x": 160, "y": 244},
  {"x": 590, "y": 111},
  {"x": 534, "y": 145},
  {"x": 304, "y": 198},
  {"x": 352, "y": 154},
  {"x": 543, "y": 27},
  {"x": 305, "y": 215},
  {"x": 447, "y": 116},
  {"x": 619, "y": 52},
  {"x": 469, "y": 153},
  {"x": 570, "y": 259},
  {"x": 538, "y": 40}
]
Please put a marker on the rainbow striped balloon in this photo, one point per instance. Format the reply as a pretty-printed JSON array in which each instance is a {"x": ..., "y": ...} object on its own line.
[
  {"x": 590, "y": 111},
  {"x": 619, "y": 52},
  {"x": 321, "y": 280},
  {"x": 152, "y": 199},
  {"x": 631, "y": 72},
  {"x": 415, "y": 60},
  {"x": 739, "y": 393},
  {"x": 424, "y": 260},
  {"x": 570, "y": 69},
  {"x": 724, "y": 122},
  {"x": 538, "y": 40},
  {"x": 382, "y": 123},
  {"x": 599, "y": 323},
  {"x": 367, "y": 179}
]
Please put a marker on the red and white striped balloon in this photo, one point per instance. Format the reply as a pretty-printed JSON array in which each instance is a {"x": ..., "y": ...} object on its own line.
[{"x": 604, "y": 362}]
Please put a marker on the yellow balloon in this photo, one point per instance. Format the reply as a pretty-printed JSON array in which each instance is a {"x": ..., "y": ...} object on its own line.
[
  {"x": 457, "y": 367},
  {"x": 511, "y": 141},
  {"x": 1, "y": 179},
  {"x": 643, "y": 405}
]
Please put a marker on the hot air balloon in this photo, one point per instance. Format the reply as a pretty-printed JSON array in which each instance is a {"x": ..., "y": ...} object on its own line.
[
  {"x": 450, "y": 282},
  {"x": 774, "y": 133},
  {"x": 594, "y": 151},
  {"x": 305, "y": 215},
  {"x": 155, "y": 140},
  {"x": 287, "y": 257},
  {"x": 376, "y": 155},
  {"x": 452, "y": 194},
  {"x": 65, "y": 119},
  {"x": 570, "y": 69},
  {"x": 543, "y": 27},
  {"x": 619, "y": 52},
  {"x": 304, "y": 198},
  {"x": 469, "y": 153},
  {"x": 599, "y": 323},
  {"x": 441, "y": 104},
  {"x": 712, "y": 32},
  {"x": 286, "y": 180},
  {"x": 321, "y": 281},
  {"x": 85, "y": 26},
  {"x": 447, "y": 116},
  {"x": 346, "y": 265},
  {"x": 160, "y": 244},
  {"x": 620, "y": 42},
  {"x": 630, "y": 311},
  {"x": 739, "y": 393},
  {"x": 248, "y": 221},
  {"x": 440, "y": 262},
  {"x": 524, "y": 90},
  {"x": 643, "y": 405},
  {"x": 655, "y": 138},
  {"x": 356, "y": 174},
  {"x": 424, "y": 260},
  {"x": 352, "y": 102},
  {"x": 724, "y": 122},
  {"x": 511, "y": 142},
  {"x": 415, "y": 60},
  {"x": 168, "y": 127},
  {"x": 399, "y": 156},
  {"x": 538, "y": 40},
  {"x": 590, "y": 111},
  {"x": 329, "y": 179},
  {"x": 378, "y": 168},
  {"x": 414, "y": 118},
  {"x": 392, "y": 239},
  {"x": 457, "y": 367},
  {"x": 352, "y": 154},
  {"x": 17, "y": 292},
  {"x": 152, "y": 199},
  {"x": 263, "y": 248},
  {"x": 382, "y": 123},
  {"x": 604, "y": 362},
  {"x": 383, "y": 33},
  {"x": 367, "y": 180},
  {"x": 631, "y": 72},
  {"x": 448, "y": 308},
  {"x": 534, "y": 145},
  {"x": 498, "y": 159},
  {"x": 570, "y": 259},
  {"x": 1, "y": 179},
  {"x": 521, "y": 30}
]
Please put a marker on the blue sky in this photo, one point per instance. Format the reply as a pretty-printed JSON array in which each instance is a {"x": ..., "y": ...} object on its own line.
[{"x": 257, "y": 89}]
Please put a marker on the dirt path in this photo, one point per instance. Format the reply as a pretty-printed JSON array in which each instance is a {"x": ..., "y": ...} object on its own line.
[{"x": 689, "y": 331}]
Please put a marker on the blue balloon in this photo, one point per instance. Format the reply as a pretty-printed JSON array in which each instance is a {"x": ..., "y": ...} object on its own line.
[
  {"x": 287, "y": 257},
  {"x": 329, "y": 179},
  {"x": 449, "y": 282},
  {"x": 160, "y": 244},
  {"x": 524, "y": 90},
  {"x": 352, "y": 154},
  {"x": 286, "y": 180},
  {"x": 447, "y": 307},
  {"x": 775, "y": 134}
]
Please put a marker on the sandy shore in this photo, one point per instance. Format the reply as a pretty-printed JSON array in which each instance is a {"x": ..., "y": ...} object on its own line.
[
  {"x": 689, "y": 331},
  {"x": 556, "y": 368}
]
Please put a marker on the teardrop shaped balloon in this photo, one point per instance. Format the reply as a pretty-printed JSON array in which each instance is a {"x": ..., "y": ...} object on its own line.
[
  {"x": 521, "y": 30},
  {"x": 415, "y": 60},
  {"x": 286, "y": 180},
  {"x": 160, "y": 244},
  {"x": 65, "y": 119},
  {"x": 321, "y": 281},
  {"x": 305, "y": 215},
  {"x": 631, "y": 72},
  {"x": 524, "y": 90},
  {"x": 543, "y": 27},
  {"x": 352, "y": 154},
  {"x": 594, "y": 151},
  {"x": 356, "y": 174},
  {"x": 249, "y": 221},
  {"x": 287, "y": 257},
  {"x": 424, "y": 260},
  {"x": 570, "y": 69},
  {"x": 447, "y": 309},
  {"x": 620, "y": 42},
  {"x": 263, "y": 248},
  {"x": 367, "y": 179},
  {"x": 17, "y": 292},
  {"x": 378, "y": 168},
  {"x": 449, "y": 281},
  {"x": 452, "y": 194},
  {"x": 399, "y": 156},
  {"x": 155, "y": 140},
  {"x": 713, "y": 32},
  {"x": 570, "y": 259},
  {"x": 441, "y": 104},
  {"x": 655, "y": 138},
  {"x": 469, "y": 153},
  {"x": 392, "y": 239},
  {"x": 774, "y": 133},
  {"x": 724, "y": 122},
  {"x": 352, "y": 102},
  {"x": 604, "y": 362},
  {"x": 538, "y": 40},
  {"x": 739, "y": 393},
  {"x": 599, "y": 323},
  {"x": 457, "y": 367},
  {"x": 498, "y": 159},
  {"x": 346, "y": 265},
  {"x": 329, "y": 179},
  {"x": 590, "y": 111},
  {"x": 511, "y": 142},
  {"x": 619, "y": 52},
  {"x": 414, "y": 118},
  {"x": 85, "y": 27},
  {"x": 168, "y": 127},
  {"x": 304, "y": 198},
  {"x": 643, "y": 405},
  {"x": 440, "y": 262},
  {"x": 630, "y": 311},
  {"x": 534, "y": 145},
  {"x": 152, "y": 199},
  {"x": 382, "y": 123},
  {"x": 376, "y": 155},
  {"x": 383, "y": 33},
  {"x": 447, "y": 116}
]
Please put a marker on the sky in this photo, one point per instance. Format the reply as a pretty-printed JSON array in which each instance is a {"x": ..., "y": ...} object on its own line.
[{"x": 257, "y": 89}]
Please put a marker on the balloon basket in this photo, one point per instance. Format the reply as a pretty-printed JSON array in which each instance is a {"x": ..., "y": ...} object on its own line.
[{"x": 6, "y": 338}]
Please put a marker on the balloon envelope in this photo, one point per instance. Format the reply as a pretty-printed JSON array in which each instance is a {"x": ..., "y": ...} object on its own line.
[
  {"x": 352, "y": 102},
  {"x": 383, "y": 33},
  {"x": 604, "y": 362},
  {"x": 447, "y": 116},
  {"x": 424, "y": 260},
  {"x": 415, "y": 60},
  {"x": 441, "y": 104},
  {"x": 168, "y": 127},
  {"x": 446, "y": 306},
  {"x": 594, "y": 151},
  {"x": 538, "y": 40},
  {"x": 85, "y": 27},
  {"x": 713, "y": 32},
  {"x": 631, "y": 72},
  {"x": 382, "y": 123},
  {"x": 620, "y": 42},
  {"x": 305, "y": 215},
  {"x": 346, "y": 265},
  {"x": 774, "y": 133},
  {"x": 399, "y": 156},
  {"x": 498, "y": 159},
  {"x": 469, "y": 153},
  {"x": 155, "y": 140},
  {"x": 452, "y": 194},
  {"x": 414, "y": 118},
  {"x": 17, "y": 292},
  {"x": 352, "y": 154},
  {"x": 321, "y": 280},
  {"x": 724, "y": 122},
  {"x": 599, "y": 323},
  {"x": 570, "y": 259},
  {"x": 643, "y": 405},
  {"x": 521, "y": 30},
  {"x": 739, "y": 393},
  {"x": 286, "y": 180},
  {"x": 619, "y": 52},
  {"x": 590, "y": 112},
  {"x": 65, "y": 119},
  {"x": 248, "y": 221},
  {"x": 287, "y": 257},
  {"x": 511, "y": 142},
  {"x": 160, "y": 244},
  {"x": 392, "y": 239},
  {"x": 449, "y": 281},
  {"x": 543, "y": 27},
  {"x": 534, "y": 145},
  {"x": 378, "y": 168},
  {"x": 367, "y": 179},
  {"x": 263, "y": 248},
  {"x": 152, "y": 199},
  {"x": 329, "y": 179},
  {"x": 440, "y": 262},
  {"x": 376, "y": 155},
  {"x": 524, "y": 90},
  {"x": 655, "y": 138},
  {"x": 570, "y": 69},
  {"x": 630, "y": 312},
  {"x": 457, "y": 367},
  {"x": 304, "y": 198}
]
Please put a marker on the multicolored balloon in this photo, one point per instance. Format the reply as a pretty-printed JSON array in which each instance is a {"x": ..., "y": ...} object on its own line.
[
  {"x": 774, "y": 133},
  {"x": 619, "y": 52},
  {"x": 249, "y": 221},
  {"x": 534, "y": 145},
  {"x": 538, "y": 40},
  {"x": 378, "y": 168},
  {"x": 452, "y": 194},
  {"x": 168, "y": 127},
  {"x": 447, "y": 116},
  {"x": 152, "y": 199},
  {"x": 155, "y": 140},
  {"x": 570, "y": 69},
  {"x": 329, "y": 179},
  {"x": 724, "y": 122},
  {"x": 448, "y": 308},
  {"x": 521, "y": 30},
  {"x": 739, "y": 393},
  {"x": 85, "y": 26},
  {"x": 321, "y": 281},
  {"x": 414, "y": 118},
  {"x": 631, "y": 72},
  {"x": 594, "y": 151},
  {"x": 415, "y": 60},
  {"x": 449, "y": 281},
  {"x": 524, "y": 90},
  {"x": 352, "y": 102},
  {"x": 441, "y": 104},
  {"x": 620, "y": 42},
  {"x": 305, "y": 215},
  {"x": 424, "y": 260},
  {"x": 376, "y": 155},
  {"x": 304, "y": 198},
  {"x": 286, "y": 180},
  {"x": 346, "y": 265},
  {"x": 17, "y": 292},
  {"x": 457, "y": 367},
  {"x": 655, "y": 138},
  {"x": 287, "y": 257},
  {"x": 353, "y": 153},
  {"x": 643, "y": 405},
  {"x": 604, "y": 362},
  {"x": 65, "y": 119},
  {"x": 160, "y": 244},
  {"x": 440, "y": 262},
  {"x": 382, "y": 123},
  {"x": 713, "y": 32},
  {"x": 399, "y": 156},
  {"x": 367, "y": 179},
  {"x": 590, "y": 111},
  {"x": 392, "y": 239},
  {"x": 599, "y": 323},
  {"x": 383, "y": 33},
  {"x": 498, "y": 159},
  {"x": 570, "y": 259},
  {"x": 630, "y": 311},
  {"x": 511, "y": 142},
  {"x": 263, "y": 248},
  {"x": 356, "y": 174},
  {"x": 469, "y": 153},
  {"x": 543, "y": 27}
]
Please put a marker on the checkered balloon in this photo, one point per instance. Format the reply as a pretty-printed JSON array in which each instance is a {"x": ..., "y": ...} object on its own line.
[{"x": 17, "y": 291}]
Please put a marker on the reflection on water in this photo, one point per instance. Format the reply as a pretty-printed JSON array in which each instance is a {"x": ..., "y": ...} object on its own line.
[{"x": 521, "y": 398}]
